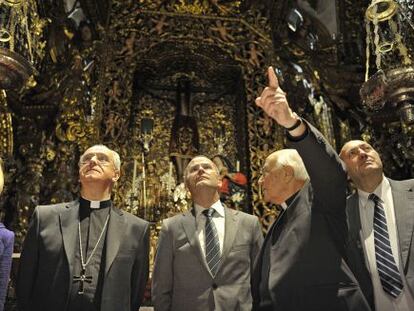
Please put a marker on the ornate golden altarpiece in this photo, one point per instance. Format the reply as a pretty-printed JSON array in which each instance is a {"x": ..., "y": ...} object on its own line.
[{"x": 109, "y": 85}]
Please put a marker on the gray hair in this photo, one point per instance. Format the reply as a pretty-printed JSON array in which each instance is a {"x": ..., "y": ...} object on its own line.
[
  {"x": 115, "y": 155},
  {"x": 290, "y": 157}
]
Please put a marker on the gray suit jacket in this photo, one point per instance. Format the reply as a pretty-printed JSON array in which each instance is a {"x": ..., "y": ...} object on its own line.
[
  {"x": 403, "y": 197},
  {"x": 45, "y": 270},
  {"x": 182, "y": 279}
]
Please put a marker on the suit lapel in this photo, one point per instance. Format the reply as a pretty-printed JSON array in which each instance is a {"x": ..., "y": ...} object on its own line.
[
  {"x": 69, "y": 222},
  {"x": 189, "y": 225},
  {"x": 114, "y": 234},
  {"x": 231, "y": 220},
  {"x": 404, "y": 217},
  {"x": 355, "y": 227}
]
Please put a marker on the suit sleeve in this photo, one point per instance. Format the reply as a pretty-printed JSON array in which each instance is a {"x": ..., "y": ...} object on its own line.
[
  {"x": 28, "y": 264},
  {"x": 6, "y": 252},
  {"x": 257, "y": 243},
  {"x": 327, "y": 175},
  {"x": 162, "y": 277},
  {"x": 140, "y": 270}
]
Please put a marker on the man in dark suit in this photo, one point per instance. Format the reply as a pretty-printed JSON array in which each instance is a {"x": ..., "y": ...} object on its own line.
[
  {"x": 381, "y": 226},
  {"x": 301, "y": 265},
  {"x": 86, "y": 254},
  {"x": 205, "y": 256}
]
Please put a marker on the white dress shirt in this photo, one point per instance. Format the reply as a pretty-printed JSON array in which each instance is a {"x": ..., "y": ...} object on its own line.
[
  {"x": 218, "y": 219},
  {"x": 383, "y": 301}
]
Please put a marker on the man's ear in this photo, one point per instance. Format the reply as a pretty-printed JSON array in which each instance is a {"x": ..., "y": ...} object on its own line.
[
  {"x": 220, "y": 183},
  {"x": 288, "y": 173},
  {"x": 116, "y": 176}
]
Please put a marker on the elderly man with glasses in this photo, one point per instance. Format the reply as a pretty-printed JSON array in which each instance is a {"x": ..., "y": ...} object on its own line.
[{"x": 87, "y": 254}]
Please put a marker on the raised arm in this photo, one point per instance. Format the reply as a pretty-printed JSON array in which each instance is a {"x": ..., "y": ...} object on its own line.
[{"x": 324, "y": 167}]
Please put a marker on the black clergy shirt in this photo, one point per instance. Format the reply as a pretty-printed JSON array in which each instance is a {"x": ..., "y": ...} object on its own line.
[
  {"x": 273, "y": 235},
  {"x": 92, "y": 222}
]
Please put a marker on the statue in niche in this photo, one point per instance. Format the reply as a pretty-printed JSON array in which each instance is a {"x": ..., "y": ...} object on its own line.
[
  {"x": 233, "y": 191},
  {"x": 184, "y": 143}
]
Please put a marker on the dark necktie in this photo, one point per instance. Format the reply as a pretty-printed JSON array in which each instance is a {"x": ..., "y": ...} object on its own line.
[
  {"x": 387, "y": 269},
  {"x": 212, "y": 242}
]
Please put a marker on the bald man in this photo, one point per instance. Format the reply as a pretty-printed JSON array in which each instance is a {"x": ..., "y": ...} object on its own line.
[
  {"x": 381, "y": 226},
  {"x": 301, "y": 266}
]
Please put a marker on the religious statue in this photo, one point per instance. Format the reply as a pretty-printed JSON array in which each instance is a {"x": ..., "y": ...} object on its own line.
[
  {"x": 184, "y": 143},
  {"x": 233, "y": 190}
]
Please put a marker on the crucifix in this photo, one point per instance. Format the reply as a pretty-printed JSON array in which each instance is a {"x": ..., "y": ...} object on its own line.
[{"x": 82, "y": 279}]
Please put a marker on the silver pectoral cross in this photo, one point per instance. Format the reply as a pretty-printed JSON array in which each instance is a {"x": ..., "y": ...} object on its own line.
[{"x": 82, "y": 279}]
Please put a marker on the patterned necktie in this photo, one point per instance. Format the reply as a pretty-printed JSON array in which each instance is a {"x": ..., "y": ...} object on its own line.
[
  {"x": 387, "y": 269},
  {"x": 212, "y": 242}
]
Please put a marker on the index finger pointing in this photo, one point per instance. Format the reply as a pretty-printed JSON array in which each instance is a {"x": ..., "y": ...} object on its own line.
[{"x": 273, "y": 81}]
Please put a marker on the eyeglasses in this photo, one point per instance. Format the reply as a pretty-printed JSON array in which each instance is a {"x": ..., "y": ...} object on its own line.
[{"x": 100, "y": 158}]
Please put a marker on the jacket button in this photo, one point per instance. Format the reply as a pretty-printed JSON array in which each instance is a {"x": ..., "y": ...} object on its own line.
[{"x": 214, "y": 286}]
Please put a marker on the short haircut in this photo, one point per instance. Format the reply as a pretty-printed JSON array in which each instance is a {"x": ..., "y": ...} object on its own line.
[
  {"x": 115, "y": 155},
  {"x": 198, "y": 156},
  {"x": 290, "y": 157}
]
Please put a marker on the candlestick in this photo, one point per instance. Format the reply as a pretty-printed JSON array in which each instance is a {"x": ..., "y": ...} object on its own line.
[
  {"x": 134, "y": 177},
  {"x": 169, "y": 177},
  {"x": 144, "y": 190}
]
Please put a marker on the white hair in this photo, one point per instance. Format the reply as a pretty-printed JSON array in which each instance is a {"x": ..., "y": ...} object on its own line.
[
  {"x": 115, "y": 155},
  {"x": 290, "y": 157}
]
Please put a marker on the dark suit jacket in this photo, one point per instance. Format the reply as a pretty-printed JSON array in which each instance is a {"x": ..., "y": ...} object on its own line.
[
  {"x": 182, "y": 280},
  {"x": 45, "y": 270},
  {"x": 403, "y": 197},
  {"x": 307, "y": 266}
]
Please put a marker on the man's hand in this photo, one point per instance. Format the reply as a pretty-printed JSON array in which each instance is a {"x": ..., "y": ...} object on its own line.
[{"x": 274, "y": 103}]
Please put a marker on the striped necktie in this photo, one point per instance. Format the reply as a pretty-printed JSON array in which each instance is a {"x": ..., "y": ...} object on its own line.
[
  {"x": 387, "y": 269},
  {"x": 212, "y": 242}
]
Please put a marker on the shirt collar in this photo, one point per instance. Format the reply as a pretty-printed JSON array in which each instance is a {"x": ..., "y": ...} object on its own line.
[
  {"x": 380, "y": 191},
  {"x": 84, "y": 203},
  {"x": 289, "y": 200},
  {"x": 218, "y": 207}
]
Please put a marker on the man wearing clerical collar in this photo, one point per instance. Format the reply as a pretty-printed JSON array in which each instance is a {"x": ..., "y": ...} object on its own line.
[
  {"x": 302, "y": 266},
  {"x": 85, "y": 255},
  {"x": 205, "y": 256}
]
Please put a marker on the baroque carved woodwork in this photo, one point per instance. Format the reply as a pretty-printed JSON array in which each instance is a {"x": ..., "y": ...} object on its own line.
[{"x": 103, "y": 81}]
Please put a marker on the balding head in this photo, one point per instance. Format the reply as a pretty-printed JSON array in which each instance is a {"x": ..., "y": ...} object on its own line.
[{"x": 363, "y": 164}]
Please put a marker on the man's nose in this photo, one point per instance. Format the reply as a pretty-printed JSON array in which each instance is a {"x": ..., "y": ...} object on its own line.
[
  {"x": 94, "y": 160},
  {"x": 362, "y": 154}
]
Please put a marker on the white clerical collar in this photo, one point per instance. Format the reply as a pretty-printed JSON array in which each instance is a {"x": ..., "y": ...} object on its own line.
[
  {"x": 94, "y": 204},
  {"x": 284, "y": 206}
]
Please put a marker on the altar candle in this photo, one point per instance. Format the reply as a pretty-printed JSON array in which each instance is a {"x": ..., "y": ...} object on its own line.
[
  {"x": 134, "y": 176},
  {"x": 237, "y": 166},
  {"x": 169, "y": 176}
]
